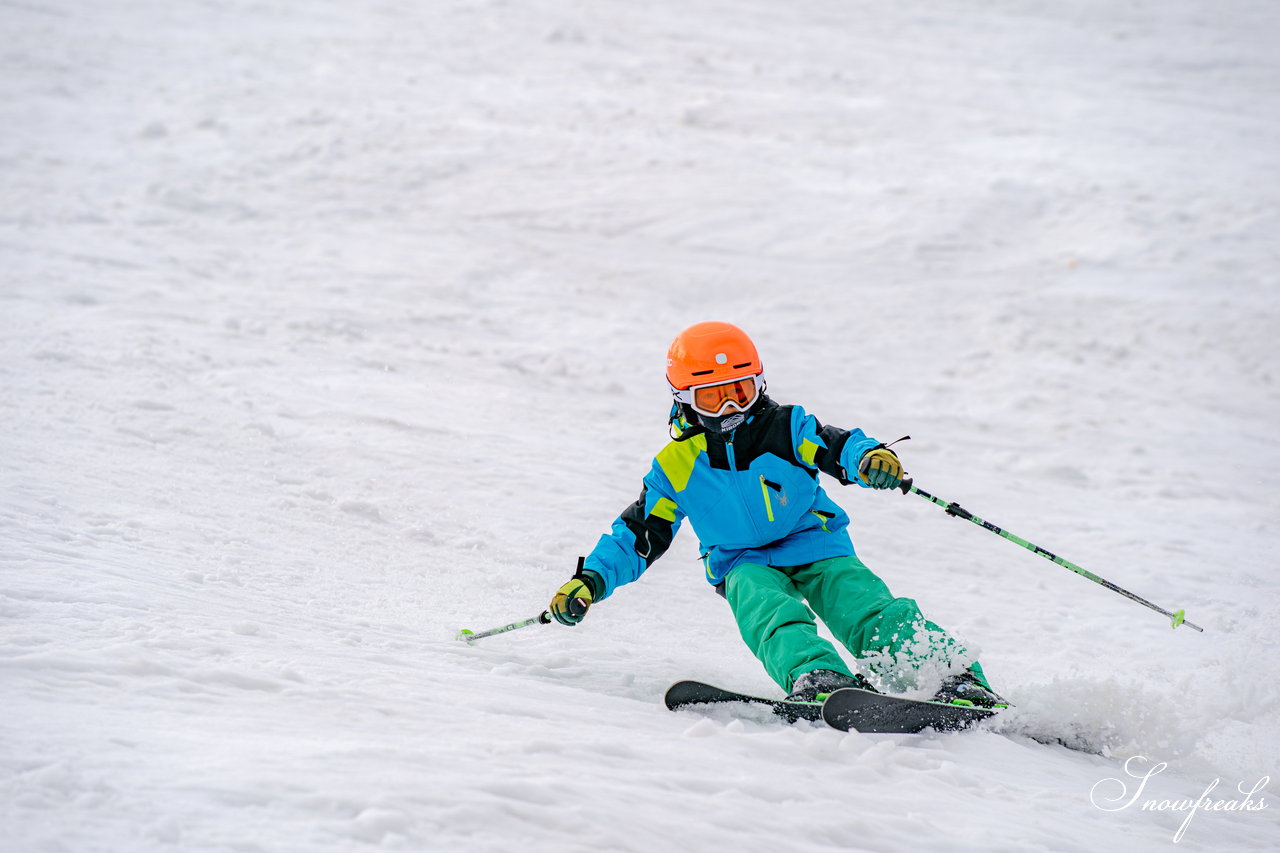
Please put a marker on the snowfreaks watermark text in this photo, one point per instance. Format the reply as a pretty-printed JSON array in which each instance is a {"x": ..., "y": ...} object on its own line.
[{"x": 1250, "y": 801}]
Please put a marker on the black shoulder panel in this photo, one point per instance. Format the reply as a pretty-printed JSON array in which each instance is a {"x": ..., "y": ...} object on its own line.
[{"x": 768, "y": 432}]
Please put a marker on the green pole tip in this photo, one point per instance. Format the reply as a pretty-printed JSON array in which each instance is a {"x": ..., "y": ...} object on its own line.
[
  {"x": 1179, "y": 617},
  {"x": 464, "y": 633}
]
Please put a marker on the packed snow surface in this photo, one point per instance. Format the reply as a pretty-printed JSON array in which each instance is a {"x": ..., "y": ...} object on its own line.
[{"x": 330, "y": 328}]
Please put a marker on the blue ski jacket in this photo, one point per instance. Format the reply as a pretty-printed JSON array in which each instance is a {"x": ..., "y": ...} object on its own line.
[{"x": 752, "y": 496}]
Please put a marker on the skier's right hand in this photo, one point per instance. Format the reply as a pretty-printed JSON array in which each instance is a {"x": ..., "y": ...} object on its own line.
[{"x": 569, "y": 604}]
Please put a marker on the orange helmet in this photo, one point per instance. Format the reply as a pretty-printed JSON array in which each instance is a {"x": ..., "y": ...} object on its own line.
[
  {"x": 711, "y": 352},
  {"x": 714, "y": 367}
]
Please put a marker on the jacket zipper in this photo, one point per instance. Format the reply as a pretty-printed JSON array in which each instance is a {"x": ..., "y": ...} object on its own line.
[{"x": 733, "y": 466}]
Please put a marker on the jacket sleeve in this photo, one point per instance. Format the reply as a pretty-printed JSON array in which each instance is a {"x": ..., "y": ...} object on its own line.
[
  {"x": 639, "y": 536},
  {"x": 829, "y": 449}
]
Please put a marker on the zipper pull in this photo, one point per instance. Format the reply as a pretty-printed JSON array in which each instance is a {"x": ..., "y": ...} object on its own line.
[{"x": 768, "y": 505}]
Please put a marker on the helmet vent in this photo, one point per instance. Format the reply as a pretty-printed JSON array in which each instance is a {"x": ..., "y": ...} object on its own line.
[{"x": 744, "y": 364}]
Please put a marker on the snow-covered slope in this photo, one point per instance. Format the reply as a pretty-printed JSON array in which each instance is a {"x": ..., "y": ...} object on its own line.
[{"x": 329, "y": 328}]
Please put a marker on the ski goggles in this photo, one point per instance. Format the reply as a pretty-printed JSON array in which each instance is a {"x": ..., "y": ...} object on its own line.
[{"x": 715, "y": 398}]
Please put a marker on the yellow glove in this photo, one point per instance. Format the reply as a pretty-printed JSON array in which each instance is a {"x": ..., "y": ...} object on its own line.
[
  {"x": 569, "y": 604},
  {"x": 880, "y": 468}
]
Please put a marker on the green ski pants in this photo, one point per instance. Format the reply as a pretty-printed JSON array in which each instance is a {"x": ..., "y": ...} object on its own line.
[{"x": 889, "y": 634}]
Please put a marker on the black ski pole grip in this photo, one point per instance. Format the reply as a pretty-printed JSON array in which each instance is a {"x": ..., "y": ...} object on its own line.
[{"x": 905, "y": 485}]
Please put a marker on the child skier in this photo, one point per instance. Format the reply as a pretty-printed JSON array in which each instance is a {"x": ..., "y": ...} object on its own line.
[{"x": 743, "y": 469}]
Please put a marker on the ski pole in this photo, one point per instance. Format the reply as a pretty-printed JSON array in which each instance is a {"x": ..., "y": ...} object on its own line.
[
  {"x": 1178, "y": 617},
  {"x": 467, "y": 635}
]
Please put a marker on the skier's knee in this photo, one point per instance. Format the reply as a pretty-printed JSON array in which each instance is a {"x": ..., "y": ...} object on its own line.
[{"x": 903, "y": 610}]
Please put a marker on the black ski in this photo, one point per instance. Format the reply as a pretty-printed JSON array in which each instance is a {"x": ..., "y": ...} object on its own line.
[
  {"x": 848, "y": 709},
  {"x": 685, "y": 693},
  {"x": 864, "y": 711}
]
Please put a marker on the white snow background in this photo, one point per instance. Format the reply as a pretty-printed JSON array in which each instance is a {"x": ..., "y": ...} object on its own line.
[{"x": 329, "y": 328}]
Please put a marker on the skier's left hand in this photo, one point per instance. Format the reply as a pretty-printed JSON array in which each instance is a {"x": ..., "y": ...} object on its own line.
[{"x": 880, "y": 468}]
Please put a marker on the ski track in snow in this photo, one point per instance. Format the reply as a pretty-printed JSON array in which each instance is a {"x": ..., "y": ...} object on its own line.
[{"x": 328, "y": 329}]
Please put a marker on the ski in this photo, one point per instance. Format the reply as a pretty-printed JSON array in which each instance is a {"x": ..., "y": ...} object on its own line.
[
  {"x": 847, "y": 709},
  {"x": 682, "y": 694},
  {"x": 865, "y": 711}
]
